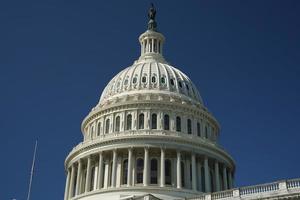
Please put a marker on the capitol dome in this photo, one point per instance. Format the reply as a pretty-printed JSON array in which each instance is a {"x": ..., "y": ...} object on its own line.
[{"x": 150, "y": 133}]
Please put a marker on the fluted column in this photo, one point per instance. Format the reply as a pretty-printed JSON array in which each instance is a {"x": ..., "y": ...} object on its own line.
[
  {"x": 217, "y": 177},
  {"x": 225, "y": 184},
  {"x": 194, "y": 176},
  {"x": 230, "y": 179},
  {"x": 88, "y": 175},
  {"x": 179, "y": 170},
  {"x": 207, "y": 176},
  {"x": 199, "y": 175},
  {"x": 71, "y": 188},
  {"x": 79, "y": 168},
  {"x": 67, "y": 184},
  {"x": 129, "y": 169},
  {"x": 162, "y": 168},
  {"x": 146, "y": 167},
  {"x": 114, "y": 169},
  {"x": 100, "y": 171}
]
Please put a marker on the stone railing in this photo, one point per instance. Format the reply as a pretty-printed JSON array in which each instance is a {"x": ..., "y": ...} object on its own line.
[{"x": 280, "y": 188}]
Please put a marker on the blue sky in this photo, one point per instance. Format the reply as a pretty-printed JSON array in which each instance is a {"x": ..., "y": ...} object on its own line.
[{"x": 57, "y": 56}]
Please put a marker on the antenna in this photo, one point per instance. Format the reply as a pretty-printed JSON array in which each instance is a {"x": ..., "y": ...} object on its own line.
[{"x": 32, "y": 170}]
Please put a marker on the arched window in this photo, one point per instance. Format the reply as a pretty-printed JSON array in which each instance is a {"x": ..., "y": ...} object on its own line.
[
  {"x": 129, "y": 122},
  {"x": 144, "y": 79},
  {"x": 92, "y": 132},
  {"x": 189, "y": 126},
  {"x": 163, "y": 80},
  {"x": 153, "y": 169},
  {"x": 117, "y": 127},
  {"x": 168, "y": 172},
  {"x": 198, "y": 129},
  {"x": 125, "y": 171},
  {"x": 139, "y": 170},
  {"x": 182, "y": 174},
  {"x": 107, "y": 122},
  {"x": 153, "y": 79},
  {"x": 178, "y": 124},
  {"x": 99, "y": 128},
  {"x": 166, "y": 122},
  {"x": 180, "y": 84},
  {"x": 154, "y": 121},
  {"x": 141, "y": 121},
  {"x": 134, "y": 80},
  {"x": 172, "y": 82}
]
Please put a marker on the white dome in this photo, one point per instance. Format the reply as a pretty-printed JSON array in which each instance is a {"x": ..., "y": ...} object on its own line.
[{"x": 150, "y": 77}]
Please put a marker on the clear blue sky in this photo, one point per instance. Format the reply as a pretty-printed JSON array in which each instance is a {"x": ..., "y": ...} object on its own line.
[{"x": 57, "y": 56}]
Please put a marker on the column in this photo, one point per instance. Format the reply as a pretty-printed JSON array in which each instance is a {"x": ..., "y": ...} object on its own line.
[
  {"x": 162, "y": 168},
  {"x": 71, "y": 187},
  {"x": 199, "y": 175},
  {"x": 230, "y": 179},
  {"x": 146, "y": 167},
  {"x": 217, "y": 176},
  {"x": 207, "y": 176},
  {"x": 129, "y": 172},
  {"x": 100, "y": 171},
  {"x": 114, "y": 169},
  {"x": 79, "y": 168},
  {"x": 179, "y": 170},
  {"x": 225, "y": 184},
  {"x": 67, "y": 184},
  {"x": 194, "y": 176},
  {"x": 187, "y": 173},
  {"x": 88, "y": 175}
]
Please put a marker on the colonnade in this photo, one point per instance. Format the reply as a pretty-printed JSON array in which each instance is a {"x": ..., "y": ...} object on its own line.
[{"x": 159, "y": 167}]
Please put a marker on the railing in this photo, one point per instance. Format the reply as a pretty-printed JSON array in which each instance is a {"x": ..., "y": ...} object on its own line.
[
  {"x": 222, "y": 194},
  {"x": 279, "y": 188},
  {"x": 294, "y": 183},
  {"x": 259, "y": 188}
]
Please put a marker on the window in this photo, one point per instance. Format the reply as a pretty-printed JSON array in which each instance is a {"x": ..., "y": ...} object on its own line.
[
  {"x": 180, "y": 84},
  {"x": 98, "y": 128},
  {"x": 182, "y": 174},
  {"x": 107, "y": 122},
  {"x": 187, "y": 87},
  {"x": 168, "y": 172},
  {"x": 198, "y": 129},
  {"x": 154, "y": 121},
  {"x": 153, "y": 169},
  {"x": 206, "y": 132},
  {"x": 144, "y": 79},
  {"x": 139, "y": 170},
  {"x": 178, "y": 124},
  {"x": 153, "y": 79},
  {"x": 129, "y": 122},
  {"x": 117, "y": 127},
  {"x": 126, "y": 82},
  {"x": 159, "y": 46},
  {"x": 163, "y": 80},
  {"x": 134, "y": 80},
  {"x": 172, "y": 82},
  {"x": 189, "y": 126},
  {"x": 166, "y": 122},
  {"x": 141, "y": 121},
  {"x": 155, "y": 46},
  {"x": 145, "y": 50},
  {"x": 125, "y": 171}
]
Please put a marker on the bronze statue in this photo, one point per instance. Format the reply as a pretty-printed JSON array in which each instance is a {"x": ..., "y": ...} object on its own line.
[{"x": 151, "y": 14}]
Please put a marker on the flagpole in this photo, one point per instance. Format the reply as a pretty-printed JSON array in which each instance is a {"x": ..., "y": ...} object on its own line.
[{"x": 32, "y": 170}]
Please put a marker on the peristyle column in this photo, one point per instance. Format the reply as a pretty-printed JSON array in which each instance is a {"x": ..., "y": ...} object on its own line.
[
  {"x": 225, "y": 184},
  {"x": 114, "y": 169},
  {"x": 194, "y": 180},
  {"x": 88, "y": 175},
  {"x": 71, "y": 187},
  {"x": 100, "y": 171},
  {"x": 67, "y": 184},
  {"x": 146, "y": 167},
  {"x": 79, "y": 168},
  {"x": 162, "y": 168},
  {"x": 217, "y": 176},
  {"x": 207, "y": 176},
  {"x": 129, "y": 172},
  {"x": 179, "y": 170}
]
